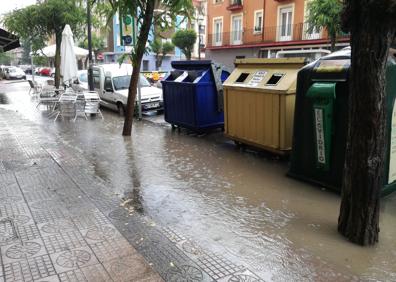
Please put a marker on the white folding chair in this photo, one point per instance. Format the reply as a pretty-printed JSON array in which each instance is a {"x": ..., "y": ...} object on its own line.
[{"x": 92, "y": 103}]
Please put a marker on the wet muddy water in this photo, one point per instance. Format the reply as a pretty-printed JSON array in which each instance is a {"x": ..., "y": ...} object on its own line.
[{"x": 237, "y": 203}]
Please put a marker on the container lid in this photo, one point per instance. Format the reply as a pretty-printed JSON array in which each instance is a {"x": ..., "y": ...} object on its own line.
[
  {"x": 274, "y": 61},
  {"x": 191, "y": 65}
]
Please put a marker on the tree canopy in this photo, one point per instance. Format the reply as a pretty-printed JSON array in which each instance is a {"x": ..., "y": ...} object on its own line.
[
  {"x": 325, "y": 14},
  {"x": 160, "y": 49},
  {"x": 39, "y": 23},
  {"x": 185, "y": 40},
  {"x": 148, "y": 13}
]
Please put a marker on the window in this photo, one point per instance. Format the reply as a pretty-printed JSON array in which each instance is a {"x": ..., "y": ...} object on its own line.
[
  {"x": 258, "y": 21},
  {"x": 285, "y": 21},
  {"x": 218, "y": 31},
  {"x": 96, "y": 79},
  {"x": 236, "y": 29},
  {"x": 108, "y": 85}
]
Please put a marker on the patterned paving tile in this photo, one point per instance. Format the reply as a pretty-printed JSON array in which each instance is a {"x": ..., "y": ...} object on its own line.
[
  {"x": 27, "y": 232},
  {"x": 29, "y": 269},
  {"x": 8, "y": 233},
  {"x": 242, "y": 276},
  {"x": 110, "y": 250},
  {"x": 173, "y": 235},
  {"x": 217, "y": 266},
  {"x": 64, "y": 241},
  {"x": 73, "y": 259},
  {"x": 40, "y": 195},
  {"x": 21, "y": 165},
  {"x": 57, "y": 226},
  {"x": 22, "y": 250},
  {"x": 88, "y": 219},
  {"x": 12, "y": 209},
  {"x": 41, "y": 216},
  {"x": 93, "y": 273},
  {"x": 101, "y": 233},
  {"x": 131, "y": 268}
]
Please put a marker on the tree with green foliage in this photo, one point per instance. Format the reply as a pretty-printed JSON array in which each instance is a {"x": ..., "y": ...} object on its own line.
[
  {"x": 98, "y": 44},
  {"x": 160, "y": 49},
  {"x": 38, "y": 23},
  {"x": 143, "y": 11},
  {"x": 185, "y": 40},
  {"x": 5, "y": 58},
  {"x": 325, "y": 14}
]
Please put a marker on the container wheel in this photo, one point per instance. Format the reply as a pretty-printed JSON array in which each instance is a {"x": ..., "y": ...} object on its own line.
[
  {"x": 238, "y": 144},
  {"x": 173, "y": 126}
]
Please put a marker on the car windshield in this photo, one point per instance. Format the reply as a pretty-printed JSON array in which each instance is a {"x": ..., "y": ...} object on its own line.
[
  {"x": 12, "y": 70},
  {"x": 122, "y": 82},
  {"x": 83, "y": 77}
]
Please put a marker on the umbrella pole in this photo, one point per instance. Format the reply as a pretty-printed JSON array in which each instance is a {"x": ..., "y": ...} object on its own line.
[{"x": 31, "y": 62}]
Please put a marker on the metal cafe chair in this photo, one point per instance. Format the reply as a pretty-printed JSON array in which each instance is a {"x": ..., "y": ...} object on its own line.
[{"x": 92, "y": 103}]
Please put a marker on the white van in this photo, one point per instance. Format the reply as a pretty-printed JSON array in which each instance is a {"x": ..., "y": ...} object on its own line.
[{"x": 111, "y": 81}]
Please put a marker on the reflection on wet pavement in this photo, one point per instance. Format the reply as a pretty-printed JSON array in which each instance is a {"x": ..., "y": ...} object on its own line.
[{"x": 235, "y": 203}]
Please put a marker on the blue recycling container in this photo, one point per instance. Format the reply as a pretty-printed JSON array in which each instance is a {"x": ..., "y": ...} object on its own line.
[{"x": 193, "y": 95}]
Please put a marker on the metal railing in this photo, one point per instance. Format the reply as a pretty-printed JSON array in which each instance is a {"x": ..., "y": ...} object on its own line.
[
  {"x": 235, "y": 2},
  {"x": 296, "y": 32}
]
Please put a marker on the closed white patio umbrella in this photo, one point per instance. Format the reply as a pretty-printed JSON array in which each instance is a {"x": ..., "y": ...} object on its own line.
[{"x": 68, "y": 67}]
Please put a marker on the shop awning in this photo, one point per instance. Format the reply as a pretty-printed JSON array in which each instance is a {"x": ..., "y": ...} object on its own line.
[{"x": 8, "y": 41}]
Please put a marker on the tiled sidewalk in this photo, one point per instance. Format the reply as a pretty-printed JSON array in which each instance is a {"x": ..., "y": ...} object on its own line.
[
  {"x": 60, "y": 222},
  {"x": 51, "y": 229}
]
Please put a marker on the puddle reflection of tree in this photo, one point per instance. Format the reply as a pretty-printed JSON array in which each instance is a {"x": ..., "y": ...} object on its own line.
[{"x": 133, "y": 199}]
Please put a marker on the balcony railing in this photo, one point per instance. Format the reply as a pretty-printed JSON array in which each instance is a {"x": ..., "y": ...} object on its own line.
[
  {"x": 235, "y": 5},
  {"x": 296, "y": 32}
]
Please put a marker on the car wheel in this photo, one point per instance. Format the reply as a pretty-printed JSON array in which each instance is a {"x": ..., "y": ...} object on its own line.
[{"x": 121, "y": 109}]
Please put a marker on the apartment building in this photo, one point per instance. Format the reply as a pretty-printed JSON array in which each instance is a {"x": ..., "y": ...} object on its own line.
[{"x": 260, "y": 28}]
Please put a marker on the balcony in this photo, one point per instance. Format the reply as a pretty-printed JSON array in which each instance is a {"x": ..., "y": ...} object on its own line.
[
  {"x": 235, "y": 5},
  {"x": 277, "y": 35}
]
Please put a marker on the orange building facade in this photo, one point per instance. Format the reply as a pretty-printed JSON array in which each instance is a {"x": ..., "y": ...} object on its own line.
[{"x": 260, "y": 28}]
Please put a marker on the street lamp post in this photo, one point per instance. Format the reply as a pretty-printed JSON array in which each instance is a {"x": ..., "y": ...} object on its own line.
[
  {"x": 199, "y": 37},
  {"x": 90, "y": 73},
  {"x": 199, "y": 40}
]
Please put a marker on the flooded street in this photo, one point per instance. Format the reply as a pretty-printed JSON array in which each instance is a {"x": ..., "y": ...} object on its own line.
[{"x": 236, "y": 204}]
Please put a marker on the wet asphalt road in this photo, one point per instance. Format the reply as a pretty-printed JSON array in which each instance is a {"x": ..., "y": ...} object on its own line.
[{"x": 233, "y": 213}]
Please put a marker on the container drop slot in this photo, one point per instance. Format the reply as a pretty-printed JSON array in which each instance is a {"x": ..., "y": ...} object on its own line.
[
  {"x": 274, "y": 79},
  {"x": 174, "y": 74},
  {"x": 192, "y": 76},
  {"x": 242, "y": 77}
]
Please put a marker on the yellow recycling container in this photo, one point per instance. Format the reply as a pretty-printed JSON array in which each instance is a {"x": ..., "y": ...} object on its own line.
[{"x": 259, "y": 98}]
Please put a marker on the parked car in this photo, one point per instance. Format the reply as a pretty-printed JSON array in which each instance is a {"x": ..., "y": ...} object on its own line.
[
  {"x": 15, "y": 73},
  {"x": 3, "y": 70},
  {"x": 81, "y": 83},
  {"x": 111, "y": 81},
  {"x": 45, "y": 71}
]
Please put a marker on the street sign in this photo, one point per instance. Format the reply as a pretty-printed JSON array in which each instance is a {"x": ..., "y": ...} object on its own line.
[
  {"x": 127, "y": 39},
  {"x": 127, "y": 20}
]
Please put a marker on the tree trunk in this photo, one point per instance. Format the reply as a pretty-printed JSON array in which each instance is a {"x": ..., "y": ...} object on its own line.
[
  {"x": 157, "y": 61},
  {"x": 136, "y": 62},
  {"x": 364, "y": 163},
  {"x": 58, "y": 40},
  {"x": 333, "y": 39},
  {"x": 160, "y": 59}
]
